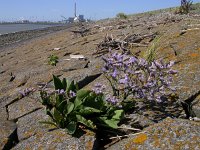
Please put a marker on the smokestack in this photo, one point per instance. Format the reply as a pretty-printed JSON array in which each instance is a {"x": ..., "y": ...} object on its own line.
[{"x": 75, "y": 10}]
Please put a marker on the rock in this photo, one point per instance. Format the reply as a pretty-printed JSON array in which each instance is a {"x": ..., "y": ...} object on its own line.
[
  {"x": 35, "y": 95},
  {"x": 22, "y": 107},
  {"x": 29, "y": 125},
  {"x": 139, "y": 121},
  {"x": 168, "y": 134},
  {"x": 87, "y": 79},
  {"x": 8, "y": 99},
  {"x": 2, "y": 71},
  {"x": 3, "y": 114},
  {"x": 84, "y": 76},
  {"x": 80, "y": 64},
  {"x": 57, "y": 140},
  {"x": 22, "y": 81},
  {"x": 57, "y": 49},
  {"x": 8, "y": 134},
  {"x": 196, "y": 110},
  {"x": 77, "y": 56}
]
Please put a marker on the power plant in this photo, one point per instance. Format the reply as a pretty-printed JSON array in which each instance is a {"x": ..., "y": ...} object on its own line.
[{"x": 76, "y": 18}]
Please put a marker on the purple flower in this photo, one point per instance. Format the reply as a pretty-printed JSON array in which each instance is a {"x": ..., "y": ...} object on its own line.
[
  {"x": 27, "y": 91},
  {"x": 72, "y": 94},
  {"x": 142, "y": 62},
  {"x": 132, "y": 60},
  {"x": 171, "y": 63},
  {"x": 124, "y": 80},
  {"x": 159, "y": 65},
  {"x": 61, "y": 91},
  {"x": 172, "y": 71},
  {"x": 153, "y": 67},
  {"x": 98, "y": 88},
  {"x": 112, "y": 99},
  {"x": 114, "y": 74},
  {"x": 118, "y": 57}
]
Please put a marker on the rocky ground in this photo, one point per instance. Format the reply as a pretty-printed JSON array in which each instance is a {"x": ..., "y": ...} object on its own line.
[{"x": 26, "y": 65}]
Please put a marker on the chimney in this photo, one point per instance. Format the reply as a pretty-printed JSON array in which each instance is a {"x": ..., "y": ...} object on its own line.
[{"x": 75, "y": 10}]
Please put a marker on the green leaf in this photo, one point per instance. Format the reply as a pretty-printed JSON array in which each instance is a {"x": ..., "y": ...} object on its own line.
[
  {"x": 95, "y": 101},
  {"x": 118, "y": 114},
  {"x": 48, "y": 123},
  {"x": 64, "y": 83},
  {"x": 59, "y": 99},
  {"x": 76, "y": 87},
  {"x": 57, "y": 115},
  {"x": 77, "y": 103},
  {"x": 89, "y": 110},
  {"x": 71, "y": 86},
  {"x": 57, "y": 83},
  {"x": 86, "y": 122},
  {"x": 71, "y": 127},
  {"x": 62, "y": 106},
  {"x": 68, "y": 84},
  {"x": 81, "y": 94},
  {"x": 109, "y": 122},
  {"x": 112, "y": 123},
  {"x": 69, "y": 107}
]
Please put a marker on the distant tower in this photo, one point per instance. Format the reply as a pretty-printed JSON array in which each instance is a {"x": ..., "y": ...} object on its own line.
[
  {"x": 75, "y": 10},
  {"x": 76, "y": 19}
]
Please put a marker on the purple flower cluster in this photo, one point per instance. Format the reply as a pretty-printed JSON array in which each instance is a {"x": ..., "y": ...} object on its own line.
[
  {"x": 98, "y": 88},
  {"x": 27, "y": 91},
  {"x": 112, "y": 100},
  {"x": 60, "y": 91},
  {"x": 71, "y": 93},
  {"x": 133, "y": 76}
]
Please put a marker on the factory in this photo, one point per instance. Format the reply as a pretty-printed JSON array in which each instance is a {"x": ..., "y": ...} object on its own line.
[{"x": 75, "y": 19}]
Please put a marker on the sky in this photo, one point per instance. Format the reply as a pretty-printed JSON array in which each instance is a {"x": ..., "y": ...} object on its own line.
[{"x": 52, "y": 10}]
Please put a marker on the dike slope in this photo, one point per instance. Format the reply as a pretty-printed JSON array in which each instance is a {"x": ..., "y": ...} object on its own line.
[{"x": 27, "y": 65}]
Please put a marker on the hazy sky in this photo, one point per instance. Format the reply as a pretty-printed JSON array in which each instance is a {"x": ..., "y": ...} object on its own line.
[{"x": 11, "y": 10}]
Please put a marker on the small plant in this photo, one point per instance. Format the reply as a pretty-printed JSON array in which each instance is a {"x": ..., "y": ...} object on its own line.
[
  {"x": 53, "y": 60},
  {"x": 185, "y": 6},
  {"x": 70, "y": 107},
  {"x": 122, "y": 16}
]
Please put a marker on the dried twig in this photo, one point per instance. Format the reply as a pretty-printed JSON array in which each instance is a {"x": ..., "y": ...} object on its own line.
[{"x": 124, "y": 136}]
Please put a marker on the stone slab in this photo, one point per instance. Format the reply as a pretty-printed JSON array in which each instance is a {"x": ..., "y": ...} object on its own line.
[
  {"x": 29, "y": 125},
  {"x": 3, "y": 114},
  {"x": 169, "y": 134},
  {"x": 57, "y": 140},
  {"x": 7, "y": 131},
  {"x": 6, "y": 99},
  {"x": 23, "y": 107}
]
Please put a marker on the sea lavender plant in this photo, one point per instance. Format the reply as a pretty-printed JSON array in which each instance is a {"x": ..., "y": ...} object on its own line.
[
  {"x": 70, "y": 107},
  {"x": 138, "y": 78}
]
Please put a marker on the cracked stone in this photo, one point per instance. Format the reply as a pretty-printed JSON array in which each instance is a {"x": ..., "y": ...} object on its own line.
[
  {"x": 168, "y": 134},
  {"x": 7, "y": 134},
  {"x": 22, "y": 107},
  {"x": 3, "y": 114},
  {"x": 29, "y": 125},
  {"x": 57, "y": 140},
  {"x": 7, "y": 99},
  {"x": 77, "y": 64}
]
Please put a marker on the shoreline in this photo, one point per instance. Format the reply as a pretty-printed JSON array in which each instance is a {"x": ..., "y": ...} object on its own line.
[{"x": 17, "y": 37}]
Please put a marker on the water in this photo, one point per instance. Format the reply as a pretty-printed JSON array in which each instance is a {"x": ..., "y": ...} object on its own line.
[{"x": 10, "y": 28}]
